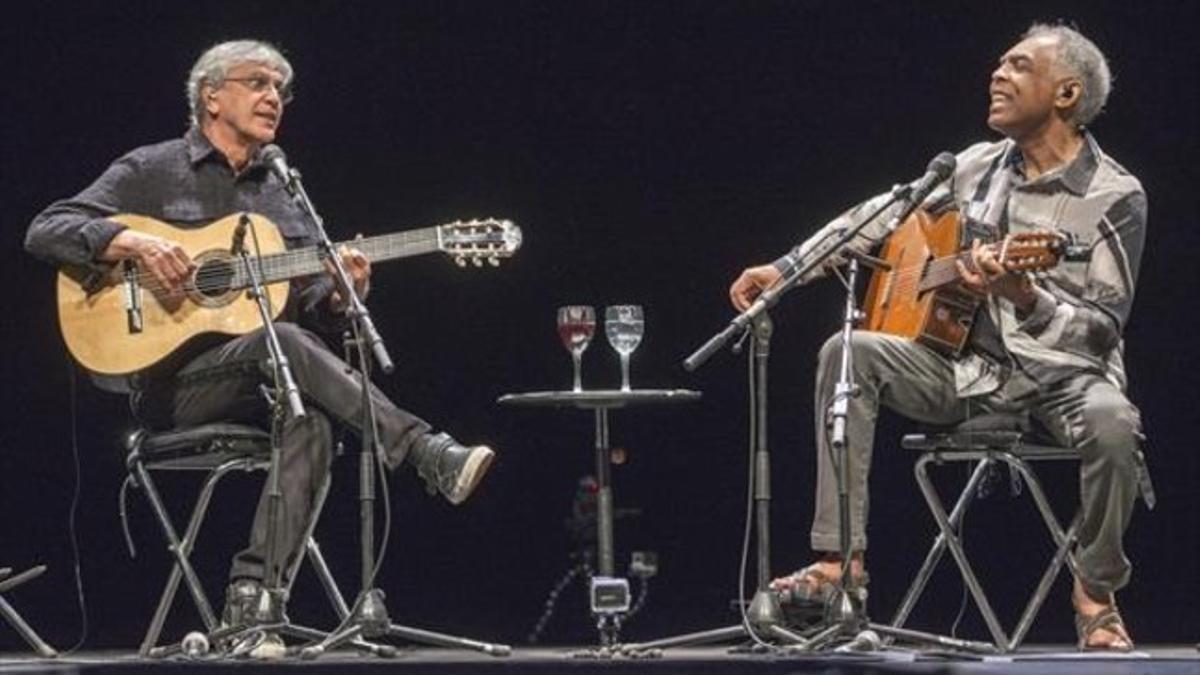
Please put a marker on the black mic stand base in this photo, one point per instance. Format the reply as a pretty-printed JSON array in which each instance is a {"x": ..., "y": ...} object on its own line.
[
  {"x": 369, "y": 619},
  {"x": 764, "y": 618}
]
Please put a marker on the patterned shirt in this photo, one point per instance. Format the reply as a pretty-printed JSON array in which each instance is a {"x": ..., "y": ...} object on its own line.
[{"x": 1081, "y": 308}]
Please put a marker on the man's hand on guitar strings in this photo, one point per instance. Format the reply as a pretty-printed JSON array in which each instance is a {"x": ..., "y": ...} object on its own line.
[
  {"x": 358, "y": 266},
  {"x": 989, "y": 276},
  {"x": 164, "y": 259}
]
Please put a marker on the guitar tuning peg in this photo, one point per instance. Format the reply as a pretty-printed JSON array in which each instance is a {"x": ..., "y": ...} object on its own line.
[
  {"x": 493, "y": 261},
  {"x": 460, "y": 261},
  {"x": 477, "y": 262}
]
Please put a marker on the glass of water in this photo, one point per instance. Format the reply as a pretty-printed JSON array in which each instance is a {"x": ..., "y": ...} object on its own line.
[
  {"x": 623, "y": 325},
  {"x": 576, "y": 326}
]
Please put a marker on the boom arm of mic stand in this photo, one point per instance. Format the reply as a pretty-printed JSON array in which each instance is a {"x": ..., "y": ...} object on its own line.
[
  {"x": 767, "y": 299},
  {"x": 356, "y": 309}
]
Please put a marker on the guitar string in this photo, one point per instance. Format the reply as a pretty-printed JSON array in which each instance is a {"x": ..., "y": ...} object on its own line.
[
  {"x": 213, "y": 277},
  {"x": 906, "y": 278},
  {"x": 285, "y": 262}
]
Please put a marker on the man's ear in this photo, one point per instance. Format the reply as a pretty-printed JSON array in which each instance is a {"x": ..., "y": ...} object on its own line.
[
  {"x": 208, "y": 97},
  {"x": 1068, "y": 94}
]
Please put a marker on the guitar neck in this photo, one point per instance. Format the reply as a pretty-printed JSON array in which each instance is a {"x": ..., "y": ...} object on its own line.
[
  {"x": 306, "y": 261},
  {"x": 942, "y": 271}
]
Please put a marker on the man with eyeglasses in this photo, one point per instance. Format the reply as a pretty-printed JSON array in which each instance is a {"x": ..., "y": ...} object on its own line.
[{"x": 237, "y": 92}]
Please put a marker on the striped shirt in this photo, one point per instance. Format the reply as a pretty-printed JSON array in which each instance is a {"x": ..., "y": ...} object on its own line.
[{"x": 1081, "y": 308}]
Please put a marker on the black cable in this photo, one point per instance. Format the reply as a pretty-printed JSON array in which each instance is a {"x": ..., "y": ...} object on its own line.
[
  {"x": 552, "y": 600},
  {"x": 72, "y": 518},
  {"x": 752, "y": 353}
]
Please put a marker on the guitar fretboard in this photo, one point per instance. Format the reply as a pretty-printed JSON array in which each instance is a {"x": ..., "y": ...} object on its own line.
[{"x": 305, "y": 261}]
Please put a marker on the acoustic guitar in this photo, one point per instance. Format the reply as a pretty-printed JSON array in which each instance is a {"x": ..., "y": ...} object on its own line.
[
  {"x": 126, "y": 324},
  {"x": 915, "y": 290}
]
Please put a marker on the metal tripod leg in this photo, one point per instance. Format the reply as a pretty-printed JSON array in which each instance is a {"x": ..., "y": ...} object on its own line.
[{"x": 368, "y": 618}]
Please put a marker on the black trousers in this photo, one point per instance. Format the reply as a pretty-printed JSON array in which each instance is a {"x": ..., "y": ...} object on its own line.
[{"x": 222, "y": 384}]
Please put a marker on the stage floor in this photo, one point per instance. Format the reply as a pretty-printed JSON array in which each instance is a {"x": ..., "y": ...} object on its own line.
[{"x": 1041, "y": 659}]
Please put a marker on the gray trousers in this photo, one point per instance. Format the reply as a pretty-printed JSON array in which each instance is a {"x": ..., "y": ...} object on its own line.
[
  {"x": 222, "y": 384},
  {"x": 1086, "y": 412}
]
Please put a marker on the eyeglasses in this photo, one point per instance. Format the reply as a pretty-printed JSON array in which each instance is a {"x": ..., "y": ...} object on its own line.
[{"x": 261, "y": 83}]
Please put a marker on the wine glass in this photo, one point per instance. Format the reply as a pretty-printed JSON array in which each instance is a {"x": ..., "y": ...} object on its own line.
[
  {"x": 576, "y": 326},
  {"x": 624, "y": 324}
]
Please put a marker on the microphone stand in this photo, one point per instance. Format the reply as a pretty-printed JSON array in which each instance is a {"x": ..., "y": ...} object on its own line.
[
  {"x": 764, "y": 617},
  {"x": 845, "y": 617},
  {"x": 284, "y": 398},
  {"x": 369, "y": 615}
]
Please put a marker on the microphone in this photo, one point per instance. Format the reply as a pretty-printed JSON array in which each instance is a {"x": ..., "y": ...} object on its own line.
[
  {"x": 940, "y": 168},
  {"x": 272, "y": 155},
  {"x": 866, "y": 641},
  {"x": 238, "y": 245}
]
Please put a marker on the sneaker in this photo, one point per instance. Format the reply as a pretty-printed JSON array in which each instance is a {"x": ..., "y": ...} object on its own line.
[
  {"x": 260, "y": 645},
  {"x": 241, "y": 596},
  {"x": 452, "y": 469}
]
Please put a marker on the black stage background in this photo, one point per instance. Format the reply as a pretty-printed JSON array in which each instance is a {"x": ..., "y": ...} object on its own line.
[{"x": 650, "y": 151}]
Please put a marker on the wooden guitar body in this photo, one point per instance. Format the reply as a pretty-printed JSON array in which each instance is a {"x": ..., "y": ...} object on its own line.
[
  {"x": 907, "y": 300},
  {"x": 96, "y": 325},
  {"x": 126, "y": 325}
]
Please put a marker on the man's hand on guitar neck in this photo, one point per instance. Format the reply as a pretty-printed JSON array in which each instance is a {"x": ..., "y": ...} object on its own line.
[
  {"x": 164, "y": 259},
  {"x": 990, "y": 277},
  {"x": 358, "y": 266}
]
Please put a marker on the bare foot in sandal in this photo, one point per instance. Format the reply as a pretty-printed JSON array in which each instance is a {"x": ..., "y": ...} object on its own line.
[
  {"x": 815, "y": 582},
  {"x": 1098, "y": 623}
]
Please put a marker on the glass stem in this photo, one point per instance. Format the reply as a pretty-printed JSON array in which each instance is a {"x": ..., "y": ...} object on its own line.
[
  {"x": 624, "y": 372},
  {"x": 577, "y": 359}
]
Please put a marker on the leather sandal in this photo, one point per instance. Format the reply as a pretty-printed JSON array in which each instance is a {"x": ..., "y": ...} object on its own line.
[
  {"x": 1106, "y": 619},
  {"x": 811, "y": 585}
]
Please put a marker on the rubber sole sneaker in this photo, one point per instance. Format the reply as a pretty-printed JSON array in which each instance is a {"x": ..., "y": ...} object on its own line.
[{"x": 474, "y": 467}]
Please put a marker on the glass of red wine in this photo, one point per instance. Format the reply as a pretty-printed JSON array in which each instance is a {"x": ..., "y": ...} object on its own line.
[{"x": 576, "y": 326}]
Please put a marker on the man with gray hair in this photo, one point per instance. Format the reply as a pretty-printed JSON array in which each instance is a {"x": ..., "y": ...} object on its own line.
[
  {"x": 237, "y": 93},
  {"x": 1050, "y": 348}
]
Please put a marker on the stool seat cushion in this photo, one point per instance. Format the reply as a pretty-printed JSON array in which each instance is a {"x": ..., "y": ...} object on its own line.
[
  {"x": 200, "y": 447},
  {"x": 1011, "y": 432}
]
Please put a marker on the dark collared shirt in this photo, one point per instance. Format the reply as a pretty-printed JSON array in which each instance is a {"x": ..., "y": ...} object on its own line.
[
  {"x": 1082, "y": 307},
  {"x": 185, "y": 182}
]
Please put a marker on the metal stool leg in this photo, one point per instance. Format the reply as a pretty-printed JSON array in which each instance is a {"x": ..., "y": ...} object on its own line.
[
  {"x": 939, "y": 545},
  {"x": 960, "y": 556},
  {"x": 14, "y": 617},
  {"x": 1062, "y": 553},
  {"x": 175, "y": 547},
  {"x": 186, "y": 544}
]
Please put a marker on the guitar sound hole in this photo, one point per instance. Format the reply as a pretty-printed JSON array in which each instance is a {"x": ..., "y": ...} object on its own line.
[{"x": 214, "y": 278}]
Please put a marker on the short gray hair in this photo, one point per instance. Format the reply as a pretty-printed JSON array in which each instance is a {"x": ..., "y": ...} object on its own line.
[
  {"x": 1084, "y": 59},
  {"x": 214, "y": 64}
]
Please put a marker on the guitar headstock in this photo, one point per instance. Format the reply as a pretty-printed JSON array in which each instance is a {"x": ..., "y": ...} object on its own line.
[
  {"x": 1031, "y": 251},
  {"x": 479, "y": 241}
]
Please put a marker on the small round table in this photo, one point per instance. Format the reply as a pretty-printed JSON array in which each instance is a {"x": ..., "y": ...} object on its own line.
[{"x": 601, "y": 401}]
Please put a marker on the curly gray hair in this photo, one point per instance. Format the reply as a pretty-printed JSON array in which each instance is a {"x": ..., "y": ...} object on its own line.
[
  {"x": 215, "y": 63},
  {"x": 1084, "y": 60}
]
